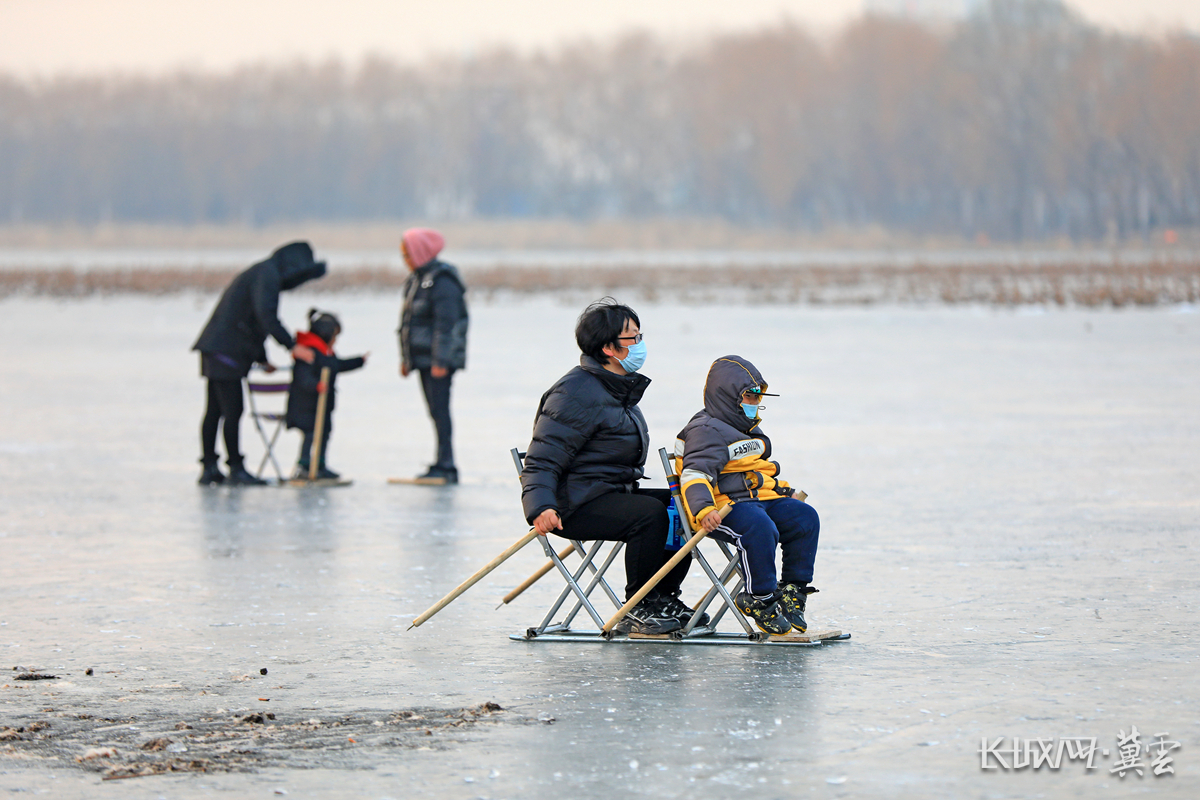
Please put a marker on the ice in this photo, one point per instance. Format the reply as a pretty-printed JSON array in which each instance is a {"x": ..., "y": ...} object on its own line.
[{"x": 1035, "y": 473}]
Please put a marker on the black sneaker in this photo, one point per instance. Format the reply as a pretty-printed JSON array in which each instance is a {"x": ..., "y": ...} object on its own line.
[
  {"x": 767, "y": 612},
  {"x": 648, "y": 617},
  {"x": 681, "y": 611},
  {"x": 326, "y": 474},
  {"x": 239, "y": 477},
  {"x": 794, "y": 595},
  {"x": 211, "y": 476}
]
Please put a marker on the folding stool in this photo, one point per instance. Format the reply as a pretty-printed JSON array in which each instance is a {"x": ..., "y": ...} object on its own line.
[
  {"x": 719, "y": 589},
  {"x": 719, "y": 581},
  {"x": 589, "y": 552},
  {"x": 276, "y": 415}
]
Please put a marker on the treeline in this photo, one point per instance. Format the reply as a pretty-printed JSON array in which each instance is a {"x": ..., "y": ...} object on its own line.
[{"x": 1021, "y": 122}]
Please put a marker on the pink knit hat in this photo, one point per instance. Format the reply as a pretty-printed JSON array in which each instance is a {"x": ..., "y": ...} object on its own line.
[{"x": 423, "y": 245}]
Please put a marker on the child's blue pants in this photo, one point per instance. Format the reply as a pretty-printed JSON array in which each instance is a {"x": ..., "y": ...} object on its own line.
[{"x": 757, "y": 527}]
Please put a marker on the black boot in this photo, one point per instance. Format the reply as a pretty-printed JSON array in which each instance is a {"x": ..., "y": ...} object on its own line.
[
  {"x": 439, "y": 476},
  {"x": 211, "y": 476},
  {"x": 240, "y": 477}
]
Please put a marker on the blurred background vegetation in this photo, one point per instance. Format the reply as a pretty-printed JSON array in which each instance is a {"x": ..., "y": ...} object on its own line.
[{"x": 1018, "y": 123}]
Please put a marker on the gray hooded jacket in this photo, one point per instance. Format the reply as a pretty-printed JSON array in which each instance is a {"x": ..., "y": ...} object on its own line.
[{"x": 721, "y": 454}]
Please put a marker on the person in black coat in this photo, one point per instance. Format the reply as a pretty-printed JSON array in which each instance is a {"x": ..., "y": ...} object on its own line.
[
  {"x": 433, "y": 337},
  {"x": 588, "y": 452},
  {"x": 305, "y": 392},
  {"x": 235, "y": 339}
]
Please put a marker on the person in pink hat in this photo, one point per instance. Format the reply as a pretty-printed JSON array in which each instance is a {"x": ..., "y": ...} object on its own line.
[{"x": 433, "y": 337}]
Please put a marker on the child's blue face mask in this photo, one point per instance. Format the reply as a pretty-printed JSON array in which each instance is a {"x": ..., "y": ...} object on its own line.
[{"x": 751, "y": 409}]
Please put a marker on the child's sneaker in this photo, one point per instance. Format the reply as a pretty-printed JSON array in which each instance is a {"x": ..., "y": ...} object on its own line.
[
  {"x": 767, "y": 612},
  {"x": 794, "y": 595},
  {"x": 647, "y": 617}
]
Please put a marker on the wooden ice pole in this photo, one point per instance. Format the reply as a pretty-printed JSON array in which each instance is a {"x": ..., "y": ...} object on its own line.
[
  {"x": 314, "y": 456},
  {"x": 682, "y": 553},
  {"x": 471, "y": 581},
  {"x": 535, "y": 577}
]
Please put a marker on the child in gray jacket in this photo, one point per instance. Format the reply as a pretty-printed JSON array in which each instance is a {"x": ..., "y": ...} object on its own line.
[{"x": 723, "y": 457}]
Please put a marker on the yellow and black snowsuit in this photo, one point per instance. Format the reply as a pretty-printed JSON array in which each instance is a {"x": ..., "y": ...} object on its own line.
[{"x": 720, "y": 454}]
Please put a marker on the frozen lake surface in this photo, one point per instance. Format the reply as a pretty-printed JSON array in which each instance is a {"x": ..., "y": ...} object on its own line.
[{"x": 1010, "y": 505}]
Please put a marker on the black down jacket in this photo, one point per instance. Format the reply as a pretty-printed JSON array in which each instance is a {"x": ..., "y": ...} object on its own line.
[
  {"x": 248, "y": 310},
  {"x": 433, "y": 321},
  {"x": 302, "y": 399},
  {"x": 589, "y": 439}
]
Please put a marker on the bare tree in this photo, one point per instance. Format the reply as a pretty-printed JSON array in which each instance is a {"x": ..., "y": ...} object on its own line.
[{"x": 1019, "y": 122}]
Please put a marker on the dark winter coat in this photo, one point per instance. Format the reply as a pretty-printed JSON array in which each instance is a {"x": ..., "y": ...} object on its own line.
[
  {"x": 303, "y": 396},
  {"x": 248, "y": 311},
  {"x": 433, "y": 321},
  {"x": 721, "y": 454},
  {"x": 589, "y": 439}
]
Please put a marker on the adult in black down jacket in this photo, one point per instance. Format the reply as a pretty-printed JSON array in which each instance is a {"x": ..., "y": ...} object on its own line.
[
  {"x": 235, "y": 339},
  {"x": 433, "y": 337},
  {"x": 589, "y": 447}
]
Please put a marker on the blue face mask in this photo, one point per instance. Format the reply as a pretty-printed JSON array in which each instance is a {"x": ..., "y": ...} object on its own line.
[
  {"x": 750, "y": 411},
  {"x": 636, "y": 358}
]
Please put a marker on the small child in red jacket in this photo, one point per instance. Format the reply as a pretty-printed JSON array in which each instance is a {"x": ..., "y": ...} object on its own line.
[{"x": 323, "y": 330}]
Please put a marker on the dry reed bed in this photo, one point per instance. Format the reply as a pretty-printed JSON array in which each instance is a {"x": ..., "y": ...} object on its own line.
[{"x": 1081, "y": 284}]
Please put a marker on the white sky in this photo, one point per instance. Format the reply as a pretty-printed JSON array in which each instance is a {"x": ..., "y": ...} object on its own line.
[{"x": 49, "y": 37}]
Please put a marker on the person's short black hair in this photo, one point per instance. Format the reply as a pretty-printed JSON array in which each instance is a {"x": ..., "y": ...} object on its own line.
[
  {"x": 600, "y": 324},
  {"x": 323, "y": 324}
]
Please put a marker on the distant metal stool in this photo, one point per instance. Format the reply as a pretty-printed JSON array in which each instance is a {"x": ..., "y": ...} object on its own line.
[{"x": 275, "y": 416}]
